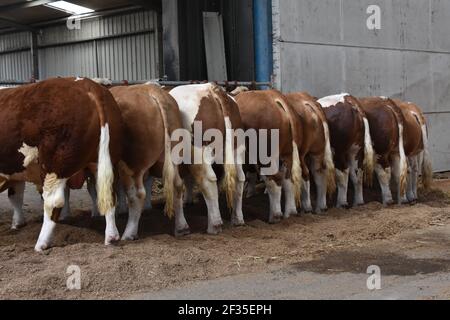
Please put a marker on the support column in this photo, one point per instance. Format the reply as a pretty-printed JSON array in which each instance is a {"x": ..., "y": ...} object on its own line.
[
  {"x": 34, "y": 56},
  {"x": 262, "y": 32},
  {"x": 171, "y": 48}
]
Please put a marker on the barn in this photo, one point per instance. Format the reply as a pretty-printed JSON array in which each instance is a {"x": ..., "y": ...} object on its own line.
[{"x": 384, "y": 48}]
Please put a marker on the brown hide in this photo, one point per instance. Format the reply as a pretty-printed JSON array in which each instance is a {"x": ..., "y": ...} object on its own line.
[
  {"x": 346, "y": 129},
  {"x": 143, "y": 124},
  {"x": 412, "y": 129},
  {"x": 62, "y": 117},
  {"x": 381, "y": 114}
]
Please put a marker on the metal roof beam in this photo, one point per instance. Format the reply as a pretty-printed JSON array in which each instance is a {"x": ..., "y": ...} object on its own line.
[
  {"x": 24, "y": 5},
  {"x": 17, "y": 25}
]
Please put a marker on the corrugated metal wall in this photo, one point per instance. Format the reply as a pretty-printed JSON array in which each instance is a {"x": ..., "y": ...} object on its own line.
[
  {"x": 126, "y": 47},
  {"x": 325, "y": 47},
  {"x": 15, "y": 65}
]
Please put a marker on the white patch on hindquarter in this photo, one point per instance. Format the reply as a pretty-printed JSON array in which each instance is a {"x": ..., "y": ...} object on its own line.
[
  {"x": 329, "y": 101},
  {"x": 79, "y": 79},
  {"x": 188, "y": 98},
  {"x": 31, "y": 154},
  {"x": 102, "y": 81}
]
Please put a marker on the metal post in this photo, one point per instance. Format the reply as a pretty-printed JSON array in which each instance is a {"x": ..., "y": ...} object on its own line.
[
  {"x": 34, "y": 56},
  {"x": 171, "y": 50},
  {"x": 262, "y": 33}
]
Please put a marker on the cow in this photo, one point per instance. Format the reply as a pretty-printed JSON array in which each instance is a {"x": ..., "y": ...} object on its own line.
[
  {"x": 351, "y": 143},
  {"x": 53, "y": 129},
  {"x": 150, "y": 116},
  {"x": 387, "y": 131},
  {"x": 270, "y": 110},
  {"x": 315, "y": 150},
  {"x": 206, "y": 108},
  {"x": 415, "y": 138}
]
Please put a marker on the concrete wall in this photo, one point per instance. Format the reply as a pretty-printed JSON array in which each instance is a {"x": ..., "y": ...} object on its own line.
[{"x": 325, "y": 47}]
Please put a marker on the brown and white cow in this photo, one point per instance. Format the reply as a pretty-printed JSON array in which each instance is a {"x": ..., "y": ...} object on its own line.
[
  {"x": 315, "y": 150},
  {"x": 270, "y": 110},
  {"x": 415, "y": 138},
  {"x": 150, "y": 115},
  {"x": 53, "y": 129},
  {"x": 387, "y": 131},
  {"x": 205, "y": 109},
  {"x": 352, "y": 145}
]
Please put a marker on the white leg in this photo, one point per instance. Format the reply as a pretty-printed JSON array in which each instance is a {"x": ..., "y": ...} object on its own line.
[
  {"x": 357, "y": 176},
  {"x": 306, "y": 196},
  {"x": 53, "y": 199},
  {"x": 65, "y": 213},
  {"x": 342, "y": 184},
  {"x": 290, "y": 208},
  {"x": 251, "y": 184},
  {"x": 211, "y": 195},
  {"x": 181, "y": 225},
  {"x": 413, "y": 173},
  {"x": 136, "y": 198},
  {"x": 111, "y": 232},
  {"x": 148, "y": 184},
  {"x": 237, "y": 217},
  {"x": 15, "y": 196},
  {"x": 395, "y": 165},
  {"x": 384, "y": 178},
  {"x": 320, "y": 178},
  {"x": 274, "y": 192},
  {"x": 93, "y": 193}
]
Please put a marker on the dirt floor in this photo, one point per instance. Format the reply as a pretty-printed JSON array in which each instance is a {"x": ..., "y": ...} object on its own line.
[{"x": 337, "y": 240}]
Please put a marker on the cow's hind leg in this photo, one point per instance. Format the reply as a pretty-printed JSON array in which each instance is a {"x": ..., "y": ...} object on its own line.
[
  {"x": 306, "y": 189},
  {"x": 290, "y": 207},
  {"x": 135, "y": 190},
  {"x": 207, "y": 180},
  {"x": 383, "y": 172},
  {"x": 148, "y": 184},
  {"x": 320, "y": 178},
  {"x": 413, "y": 174},
  {"x": 237, "y": 217},
  {"x": 357, "y": 177},
  {"x": 53, "y": 203},
  {"x": 395, "y": 165},
  {"x": 181, "y": 225},
  {"x": 274, "y": 191},
  {"x": 15, "y": 196}
]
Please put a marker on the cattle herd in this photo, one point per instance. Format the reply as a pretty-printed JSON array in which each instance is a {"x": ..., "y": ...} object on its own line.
[{"x": 63, "y": 132}]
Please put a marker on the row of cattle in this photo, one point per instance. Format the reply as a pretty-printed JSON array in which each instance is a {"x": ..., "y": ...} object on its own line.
[{"x": 60, "y": 132}]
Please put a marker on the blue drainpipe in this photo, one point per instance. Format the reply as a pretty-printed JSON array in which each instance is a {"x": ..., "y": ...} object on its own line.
[{"x": 262, "y": 35}]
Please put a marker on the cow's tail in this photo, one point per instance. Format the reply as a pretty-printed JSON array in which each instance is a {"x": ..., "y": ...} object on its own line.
[
  {"x": 403, "y": 166},
  {"x": 170, "y": 171},
  {"x": 296, "y": 168},
  {"x": 230, "y": 172},
  {"x": 427, "y": 167},
  {"x": 105, "y": 174},
  {"x": 329, "y": 163},
  {"x": 369, "y": 154}
]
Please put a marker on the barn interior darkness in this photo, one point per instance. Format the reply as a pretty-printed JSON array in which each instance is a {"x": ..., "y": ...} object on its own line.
[{"x": 238, "y": 34}]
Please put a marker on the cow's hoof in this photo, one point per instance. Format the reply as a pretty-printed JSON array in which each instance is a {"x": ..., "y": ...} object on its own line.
[
  {"x": 130, "y": 237},
  {"x": 182, "y": 232},
  {"x": 343, "y": 206},
  {"x": 112, "y": 239},
  {"x": 388, "y": 203},
  {"x": 214, "y": 229},
  {"x": 237, "y": 223},
  {"x": 41, "y": 246},
  {"x": 289, "y": 213},
  {"x": 276, "y": 218},
  {"x": 321, "y": 211},
  {"x": 307, "y": 211},
  {"x": 19, "y": 225}
]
